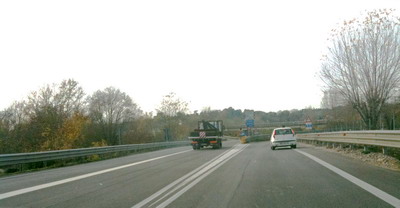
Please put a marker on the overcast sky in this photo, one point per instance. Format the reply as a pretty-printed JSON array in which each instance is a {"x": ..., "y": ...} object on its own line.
[{"x": 260, "y": 55}]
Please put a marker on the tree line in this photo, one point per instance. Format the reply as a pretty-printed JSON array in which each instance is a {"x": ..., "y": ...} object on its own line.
[{"x": 61, "y": 116}]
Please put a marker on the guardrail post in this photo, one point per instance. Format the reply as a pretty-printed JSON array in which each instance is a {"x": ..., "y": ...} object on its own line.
[{"x": 384, "y": 150}]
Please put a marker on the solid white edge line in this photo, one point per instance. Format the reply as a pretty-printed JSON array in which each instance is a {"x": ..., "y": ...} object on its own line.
[
  {"x": 371, "y": 189},
  {"x": 197, "y": 180},
  {"x": 166, "y": 188},
  {"x": 47, "y": 185}
]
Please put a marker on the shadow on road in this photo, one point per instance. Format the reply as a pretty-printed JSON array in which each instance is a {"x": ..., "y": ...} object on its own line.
[
  {"x": 288, "y": 148},
  {"x": 211, "y": 149},
  {"x": 277, "y": 149}
]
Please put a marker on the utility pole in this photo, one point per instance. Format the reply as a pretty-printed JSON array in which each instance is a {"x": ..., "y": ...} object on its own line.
[
  {"x": 394, "y": 122},
  {"x": 119, "y": 134}
]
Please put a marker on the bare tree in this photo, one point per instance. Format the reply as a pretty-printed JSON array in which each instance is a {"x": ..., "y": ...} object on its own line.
[
  {"x": 69, "y": 98},
  {"x": 206, "y": 113},
  {"x": 48, "y": 110},
  {"x": 66, "y": 98},
  {"x": 14, "y": 115},
  {"x": 111, "y": 108},
  {"x": 171, "y": 105},
  {"x": 363, "y": 62},
  {"x": 38, "y": 100},
  {"x": 170, "y": 110}
]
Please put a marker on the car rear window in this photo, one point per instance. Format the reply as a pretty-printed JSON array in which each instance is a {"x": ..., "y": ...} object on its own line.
[{"x": 283, "y": 131}]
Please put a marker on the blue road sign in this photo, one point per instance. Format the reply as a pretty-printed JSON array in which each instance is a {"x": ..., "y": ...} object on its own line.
[{"x": 250, "y": 123}]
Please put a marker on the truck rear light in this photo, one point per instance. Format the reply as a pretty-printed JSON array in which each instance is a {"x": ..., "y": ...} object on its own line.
[
  {"x": 213, "y": 142},
  {"x": 194, "y": 142}
]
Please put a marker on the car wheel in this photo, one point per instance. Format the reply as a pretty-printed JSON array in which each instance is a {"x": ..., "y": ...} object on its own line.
[
  {"x": 294, "y": 146},
  {"x": 272, "y": 147}
]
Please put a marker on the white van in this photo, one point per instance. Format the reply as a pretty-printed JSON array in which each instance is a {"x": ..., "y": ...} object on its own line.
[{"x": 283, "y": 137}]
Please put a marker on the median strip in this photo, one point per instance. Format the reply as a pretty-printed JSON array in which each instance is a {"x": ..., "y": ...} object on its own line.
[{"x": 183, "y": 184}]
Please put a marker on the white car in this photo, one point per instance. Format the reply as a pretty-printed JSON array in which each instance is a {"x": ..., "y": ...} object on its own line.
[{"x": 283, "y": 137}]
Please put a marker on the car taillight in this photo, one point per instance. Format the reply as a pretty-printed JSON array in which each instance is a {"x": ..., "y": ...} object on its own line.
[
  {"x": 292, "y": 132},
  {"x": 274, "y": 134}
]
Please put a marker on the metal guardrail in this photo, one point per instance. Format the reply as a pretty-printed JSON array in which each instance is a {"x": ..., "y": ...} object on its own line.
[
  {"x": 258, "y": 138},
  {"x": 379, "y": 138},
  {"x": 20, "y": 158}
]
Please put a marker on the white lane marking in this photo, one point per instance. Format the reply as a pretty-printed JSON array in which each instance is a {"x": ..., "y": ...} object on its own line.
[
  {"x": 193, "y": 175},
  {"x": 158, "y": 193},
  {"x": 197, "y": 180},
  {"x": 200, "y": 173},
  {"x": 371, "y": 189},
  {"x": 55, "y": 183}
]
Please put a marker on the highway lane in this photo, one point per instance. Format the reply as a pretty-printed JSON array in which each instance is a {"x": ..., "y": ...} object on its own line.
[
  {"x": 261, "y": 177},
  {"x": 236, "y": 176},
  {"x": 121, "y": 188}
]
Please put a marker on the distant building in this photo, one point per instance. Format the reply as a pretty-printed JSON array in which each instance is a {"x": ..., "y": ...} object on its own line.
[{"x": 332, "y": 98}]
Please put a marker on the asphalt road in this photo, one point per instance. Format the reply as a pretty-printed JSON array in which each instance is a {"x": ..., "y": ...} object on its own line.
[{"x": 238, "y": 175}]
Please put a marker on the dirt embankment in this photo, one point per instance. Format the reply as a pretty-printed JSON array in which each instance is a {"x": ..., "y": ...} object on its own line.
[{"x": 373, "y": 158}]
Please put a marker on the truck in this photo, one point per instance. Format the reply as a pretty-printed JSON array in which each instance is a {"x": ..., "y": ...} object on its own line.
[{"x": 208, "y": 133}]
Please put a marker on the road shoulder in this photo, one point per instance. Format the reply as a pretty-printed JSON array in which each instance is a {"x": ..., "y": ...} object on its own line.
[{"x": 383, "y": 178}]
